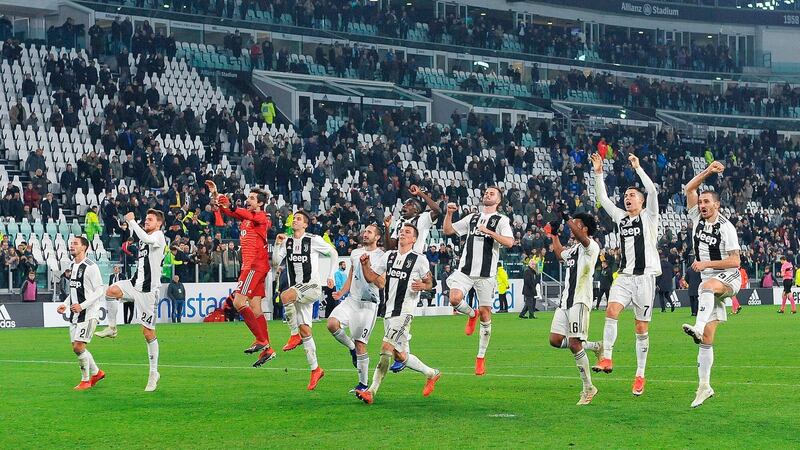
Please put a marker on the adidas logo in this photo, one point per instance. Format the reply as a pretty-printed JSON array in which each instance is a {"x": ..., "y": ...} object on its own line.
[
  {"x": 754, "y": 299},
  {"x": 5, "y": 318}
]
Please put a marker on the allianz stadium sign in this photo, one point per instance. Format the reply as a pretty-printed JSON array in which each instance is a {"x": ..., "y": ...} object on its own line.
[{"x": 650, "y": 10}]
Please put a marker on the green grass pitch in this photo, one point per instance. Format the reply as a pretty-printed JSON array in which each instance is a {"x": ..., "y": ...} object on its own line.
[{"x": 210, "y": 397}]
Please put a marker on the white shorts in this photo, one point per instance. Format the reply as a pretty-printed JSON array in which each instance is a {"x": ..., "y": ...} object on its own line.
[
  {"x": 397, "y": 331},
  {"x": 484, "y": 287},
  {"x": 83, "y": 331},
  {"x": 572, "y": 322},
  {"x": 145, "y": 303},
  {"x": 357, "y": 315},
  {"x": 733, "y": 280},
  {"x": 307, "y": 293},
  {"x": 638, "y": 290}
]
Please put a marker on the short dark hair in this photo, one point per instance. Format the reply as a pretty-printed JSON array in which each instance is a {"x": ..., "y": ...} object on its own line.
[
  {"x": 261, "y": 195},
  {"x": 499, "y": 192},
  {"x": 413, "y": 227},
  {"x": 304, "y": 214},
  {"x": 84, "y": 240},
  {"x": 589, "y": 221},
  {"x": 637, "y": 189},
  {"x": 377, "y": 227},
  {"x": 159, "y": 215},
  {"x": 713, "y": 194}
]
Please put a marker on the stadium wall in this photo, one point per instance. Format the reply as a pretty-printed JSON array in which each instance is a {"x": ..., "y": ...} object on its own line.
[{"x": 202, "y": 298}]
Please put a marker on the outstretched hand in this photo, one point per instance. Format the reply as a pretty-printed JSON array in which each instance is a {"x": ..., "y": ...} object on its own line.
[
  {"x": 597, "y": 163},
  {"x": 634, "y": 160}
]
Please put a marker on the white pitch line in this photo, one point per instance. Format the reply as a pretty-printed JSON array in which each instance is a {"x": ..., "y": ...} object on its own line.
[{"x": 461, "y": 374}]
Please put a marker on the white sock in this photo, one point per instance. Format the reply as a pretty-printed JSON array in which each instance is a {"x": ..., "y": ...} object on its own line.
[
  {"x": 93, "y": 369},
  {"x": 582, "y": 361},
  {"x": 591, "y": 346},
  {"x": 483, "y": 340},
  {"x": 345, "y": 340},
  {"x": 609, "y": 337},
  {"x": 362, "y": 363},
  {"x": 465, "y": 309},
  {"x": 152, "y": 351},
  {"x": 112, "y": 306},
  {"x": 414, "y": 363},
  {"x": 83, "y": 361},
  {"x": 290, "y": 314},
  {"x": 380, "y": 372},
  {"x": 705, "y": 306},
  {"x": 705, "y": 359},
  {"x": 311, "y": 352},
  {"x": 642, "y": 346}
]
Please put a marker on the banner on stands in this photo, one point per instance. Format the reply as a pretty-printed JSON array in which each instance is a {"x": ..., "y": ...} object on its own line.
[{"x": 20, "y": 315}]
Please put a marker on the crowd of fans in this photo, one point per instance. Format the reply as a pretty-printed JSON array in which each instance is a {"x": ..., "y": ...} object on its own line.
[
  {"x": 477, "y": 30},
  {"x": 737, "y": 99}
]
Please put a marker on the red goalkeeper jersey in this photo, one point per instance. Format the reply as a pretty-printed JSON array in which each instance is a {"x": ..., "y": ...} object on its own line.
[{"x": 253, "y": 238}]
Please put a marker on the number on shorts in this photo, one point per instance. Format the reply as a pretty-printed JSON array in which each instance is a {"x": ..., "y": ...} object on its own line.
[
  {"x": 147, "y": 319},
  {"x": 646, "y": 310},
  {"x": 238, "y": 286},
  {"x": 393, "y": 333},
  {"x": 83, "y": 332},
  {"x": 574, "y": 327},
  {"x": 365, "y": 333}
]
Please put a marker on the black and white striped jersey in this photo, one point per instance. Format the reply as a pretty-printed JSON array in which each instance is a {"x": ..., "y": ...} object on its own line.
[
  {"x": 147, "y": 277},
  {"x": 713, "y": 241},
  {"x": 302, "y": 258},
  {"x": 401, "y": 271},
  {"x": 85, "y": 288},
  {"x": 480, "y": 253},
  {"x": 423, "y": 222},
  {"x": 579, "y": 262},
  {"x": 638, "y": 235}
]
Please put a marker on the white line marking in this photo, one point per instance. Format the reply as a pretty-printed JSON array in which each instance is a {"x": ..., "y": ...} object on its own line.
[{"x": 460, "y": 374}]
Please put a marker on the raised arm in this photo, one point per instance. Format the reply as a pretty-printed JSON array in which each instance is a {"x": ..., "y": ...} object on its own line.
[
  {"x": 558, "y": 248},
  {"x": 649, "y": 186},
  {"x": 600, "y": 186},
  {"x": 459, "y": 228},
  {"x": 435, "y": 209},
  {"x": 140, "y": 233},
  {"x": 694, "y": 183},
  {"x": 388, "y": 242},
  {"x": 579, "y": 233}
]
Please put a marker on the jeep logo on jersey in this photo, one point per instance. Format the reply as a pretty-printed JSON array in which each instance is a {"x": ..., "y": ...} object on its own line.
[
  {"x": 298, "y": 258},
  {"x": 630, "y": 231},
  {"x": 754, "y": 299},
  {"x": 144, "y": 251},
  {"x": 569, "y": 262},
  {"x": 709, "y": 239},
  {"x": 5, "y": 318},
  {"x": 399, "y": 274},
  {"x": 75, "y": 284}
]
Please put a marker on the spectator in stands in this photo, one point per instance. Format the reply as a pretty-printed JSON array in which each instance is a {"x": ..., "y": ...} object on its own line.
[
  {"x": 176, "y": 293},
  {"x": 68, "y": 185},
  {"x": 40, "y": 183},
  {"x": 17, "y": 114},
  {"x": 28, "y": 88},
  {"x": 29, "y": 289},
  {"x": 230, "y": 262},
  {"x": 6, "y": 254},
  {"x": 23, "y": 263},
  {"x": 91, "y": 223},
  {"x": 49, "y": 209},
  {"x": 35, "y": 162},
  {"x": 31, "y": 196}
]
